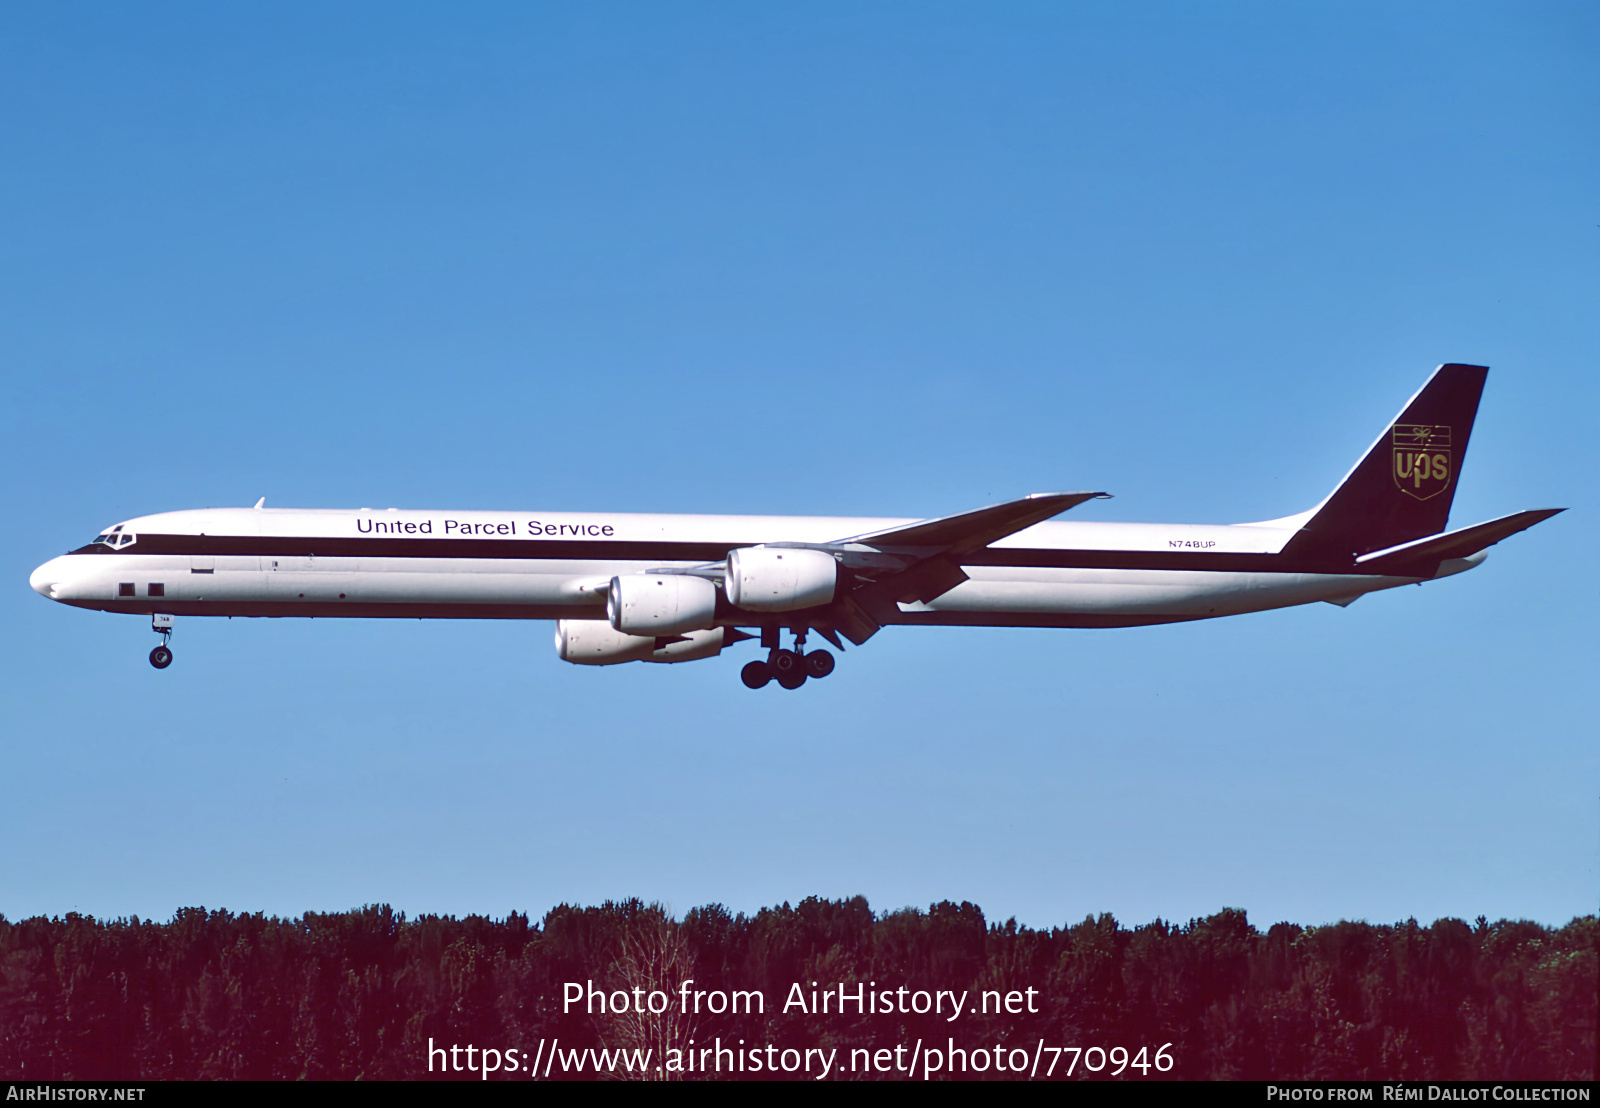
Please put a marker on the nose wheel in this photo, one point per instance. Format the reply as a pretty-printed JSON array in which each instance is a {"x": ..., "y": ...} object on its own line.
[
  {"x": 789, "y": 668},
  {"x": 161, "y": 656}
]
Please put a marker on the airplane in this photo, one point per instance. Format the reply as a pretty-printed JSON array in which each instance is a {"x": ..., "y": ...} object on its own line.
[{"x": 678, "y": 588}]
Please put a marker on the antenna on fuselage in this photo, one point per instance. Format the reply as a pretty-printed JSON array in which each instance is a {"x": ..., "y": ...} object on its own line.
[{"x": 262, "y": 503}]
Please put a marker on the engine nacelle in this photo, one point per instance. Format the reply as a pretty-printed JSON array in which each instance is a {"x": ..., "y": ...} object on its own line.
[
  {"x": 780, "y": 579},
  {"x": 592, "y": 642},
  {"x": 660, "y": 604}
]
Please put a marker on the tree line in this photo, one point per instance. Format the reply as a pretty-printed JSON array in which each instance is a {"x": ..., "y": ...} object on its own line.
[{"x": 360, "y": 994}]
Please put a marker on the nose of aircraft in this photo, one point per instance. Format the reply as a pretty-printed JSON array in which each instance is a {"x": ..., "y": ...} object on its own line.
[{"x": 43, "y": 579}]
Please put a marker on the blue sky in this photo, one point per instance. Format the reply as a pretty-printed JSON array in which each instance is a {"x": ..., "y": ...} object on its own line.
[{"x": 876, "y": 259}]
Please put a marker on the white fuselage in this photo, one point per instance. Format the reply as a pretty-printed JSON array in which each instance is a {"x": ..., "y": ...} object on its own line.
[{"x": 531, "y": 565}]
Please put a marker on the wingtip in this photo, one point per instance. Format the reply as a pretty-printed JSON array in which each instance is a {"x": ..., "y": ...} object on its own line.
[{"x": 1539, "y": 515}]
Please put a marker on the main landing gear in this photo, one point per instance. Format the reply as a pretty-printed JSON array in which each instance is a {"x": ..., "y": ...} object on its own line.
[
  {"x": 161, "y": 656},
  {"x": 789, "y": 668}
]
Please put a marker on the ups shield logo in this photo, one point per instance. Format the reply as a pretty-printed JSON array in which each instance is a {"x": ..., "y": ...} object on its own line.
[{"x": 1421, "y": 459}]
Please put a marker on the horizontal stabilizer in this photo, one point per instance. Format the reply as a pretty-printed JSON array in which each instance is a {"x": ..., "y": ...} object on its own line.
[
  {"x": 1423, "y": 553},
  {"x": 974, "y": 530}
]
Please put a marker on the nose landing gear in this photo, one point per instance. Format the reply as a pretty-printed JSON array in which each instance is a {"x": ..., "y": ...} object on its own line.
[
  {"x": 790, "y": 668},
  {"x": 161, "y": 656}
]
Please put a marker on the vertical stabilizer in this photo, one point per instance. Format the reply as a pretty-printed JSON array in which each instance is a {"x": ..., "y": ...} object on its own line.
[{"x": 1402, "y": 489}]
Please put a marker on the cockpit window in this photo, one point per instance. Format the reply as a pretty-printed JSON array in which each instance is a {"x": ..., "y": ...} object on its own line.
[{"x": 114, "y": 538}]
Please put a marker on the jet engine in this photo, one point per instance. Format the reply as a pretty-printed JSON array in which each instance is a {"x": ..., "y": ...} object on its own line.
[
  {"x": 592, "y": 642},
  {"x": 780, "y": 579},
  {"x": 658, "y": 604}
]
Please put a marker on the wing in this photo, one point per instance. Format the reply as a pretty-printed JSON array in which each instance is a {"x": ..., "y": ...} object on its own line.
[
  {"x": 912, "y": 562},
  {"x": 974, "y": 530},
  {"x": 920, "y": 561}
]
